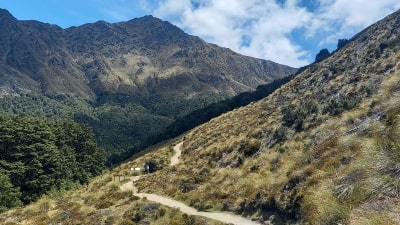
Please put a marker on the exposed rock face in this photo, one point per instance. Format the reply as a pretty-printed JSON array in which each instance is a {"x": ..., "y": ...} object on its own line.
[{"x": 140, "y": 57}]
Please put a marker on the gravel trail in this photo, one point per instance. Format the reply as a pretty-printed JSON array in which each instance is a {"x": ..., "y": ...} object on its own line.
[{"x": 224, "y": 217}]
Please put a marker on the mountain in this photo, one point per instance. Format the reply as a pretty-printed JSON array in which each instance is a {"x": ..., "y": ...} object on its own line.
[
  {"x": 143, "y": 57},
  {"x": 34, "y": 58},
  {"x": 147, "y": 72}
]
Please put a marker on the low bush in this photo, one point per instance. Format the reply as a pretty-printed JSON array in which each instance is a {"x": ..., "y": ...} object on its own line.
[{"x": 343, "y": 103}]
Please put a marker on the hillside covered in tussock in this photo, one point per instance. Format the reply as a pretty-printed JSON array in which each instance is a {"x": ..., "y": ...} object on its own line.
[{"x": 322, "y": 149}]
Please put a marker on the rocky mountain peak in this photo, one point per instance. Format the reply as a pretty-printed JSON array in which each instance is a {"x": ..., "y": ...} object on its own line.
[
  {"x": 155, "y": 30},
  {"x": 6, "y": 15}
]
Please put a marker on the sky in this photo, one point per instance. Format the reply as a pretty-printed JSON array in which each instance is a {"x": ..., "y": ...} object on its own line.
[{"x": 290, "y": 32}]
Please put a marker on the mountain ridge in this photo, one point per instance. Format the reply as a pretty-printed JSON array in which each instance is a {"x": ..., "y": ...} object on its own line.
[{"x": 120, "y": 57}]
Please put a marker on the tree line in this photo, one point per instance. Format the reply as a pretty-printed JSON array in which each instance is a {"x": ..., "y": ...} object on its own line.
[{"x": 38, "y": 156}]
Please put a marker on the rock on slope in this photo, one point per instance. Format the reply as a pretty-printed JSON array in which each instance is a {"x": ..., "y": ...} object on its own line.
[{"x": 322, "y": 149}]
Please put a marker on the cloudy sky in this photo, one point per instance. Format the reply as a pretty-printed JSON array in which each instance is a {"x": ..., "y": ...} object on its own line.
[{"x": 290, "y": 32}]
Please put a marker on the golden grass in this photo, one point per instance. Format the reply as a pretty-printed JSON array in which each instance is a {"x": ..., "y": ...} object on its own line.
[
  {"x": 321, "y": 207},
  {"x": 101, "y": 202},
  {"x": 327, "y": 164},
  {"x": 373, "y": 218}
]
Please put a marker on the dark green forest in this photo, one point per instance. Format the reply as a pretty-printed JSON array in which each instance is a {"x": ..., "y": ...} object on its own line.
[
  {"x": 38, "y": 156},
  {"x": 119, "y": 127},
  {"x": 122, "y": 125}
]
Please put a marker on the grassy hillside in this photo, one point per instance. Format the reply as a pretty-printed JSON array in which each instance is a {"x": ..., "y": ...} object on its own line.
[
  {"x": 322, "y": 149},
  {"x": 103, "y": 202}
]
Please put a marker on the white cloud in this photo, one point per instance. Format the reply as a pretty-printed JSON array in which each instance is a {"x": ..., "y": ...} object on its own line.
[
  {"x": 170, "y": 8},
  {"x": 264, "y": 25},
  {"x": 265, "y": 28},
  {"x": 341, "y": 18}
]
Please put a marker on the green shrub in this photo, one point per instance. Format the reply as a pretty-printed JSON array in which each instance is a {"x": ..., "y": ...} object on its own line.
[
  {"x": 250, "y": 147},
  {"x": 294, "y": 115},
  {"x": 134, "y": 214},
  {"x": 338, "y": 105},
  {"x": 126, "y": 222},
  {"x": 103, "y": 204},
  {"x": 161, "y": 212},
  {"x": 9, "y": 195}
]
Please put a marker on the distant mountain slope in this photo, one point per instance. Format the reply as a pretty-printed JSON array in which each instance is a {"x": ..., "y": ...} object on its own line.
[
  {"x": 153, "y": 55},
  {"x": 33, "y": 57},
  {"x": 322, "y": 149},
  {"x": 143, "y": 57}
]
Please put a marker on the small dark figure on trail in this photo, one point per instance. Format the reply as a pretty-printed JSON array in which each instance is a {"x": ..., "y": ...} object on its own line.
[
  {"x": 147, "y": 168},
  {"x": 150, "y": 166}
]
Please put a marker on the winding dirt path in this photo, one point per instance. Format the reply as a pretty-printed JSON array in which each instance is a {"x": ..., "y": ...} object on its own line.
[
  {"x": 224, "y": 217},
  {"x": 178, "y": 152}
]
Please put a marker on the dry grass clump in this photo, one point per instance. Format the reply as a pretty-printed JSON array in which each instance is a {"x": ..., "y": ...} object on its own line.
[
  {"x": 370, "y": 173},
  {"x": 382, "y": 211},
  {"x": 319, "y": 206},
  {"x": 374, "y": 218}
]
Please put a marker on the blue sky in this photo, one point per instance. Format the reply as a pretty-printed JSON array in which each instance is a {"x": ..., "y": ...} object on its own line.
[{"x": 290, "y": 32}]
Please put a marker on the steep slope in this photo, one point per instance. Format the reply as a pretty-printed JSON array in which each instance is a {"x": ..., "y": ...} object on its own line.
[
  {"x": 33, "y": 58},
  {"x": 148, "y": 56},
  {"x": 323, "y": 149}
]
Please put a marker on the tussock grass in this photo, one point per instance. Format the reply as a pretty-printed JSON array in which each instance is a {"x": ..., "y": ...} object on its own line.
[
  {"x": 374, "y": 218},
  {"x": 323, "y": 151},
  {"x": 104, "y": 204},
  {"x": 321, "y": 207}
]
